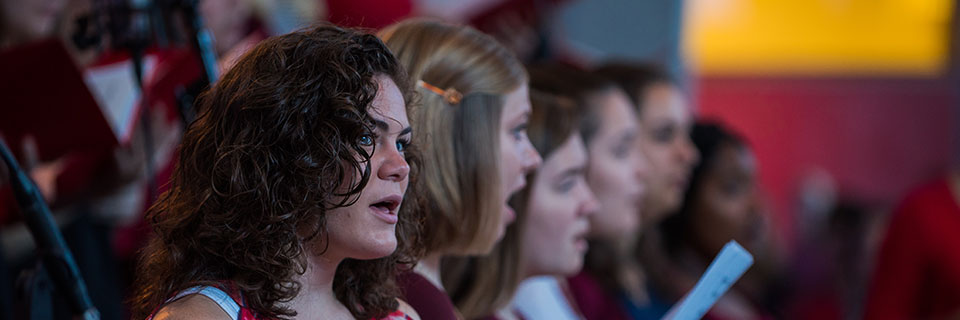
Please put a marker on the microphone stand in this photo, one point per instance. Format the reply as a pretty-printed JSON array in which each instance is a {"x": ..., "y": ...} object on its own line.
[
  {"x": 57, "y": 261},
  {"x": 201, "y": 39}
]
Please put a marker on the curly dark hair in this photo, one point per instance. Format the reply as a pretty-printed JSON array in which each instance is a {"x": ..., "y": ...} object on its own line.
[{"x": 274, "y": 148}]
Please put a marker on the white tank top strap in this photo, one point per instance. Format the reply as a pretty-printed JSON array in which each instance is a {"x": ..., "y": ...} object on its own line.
[{"x": 219, "y": 296}]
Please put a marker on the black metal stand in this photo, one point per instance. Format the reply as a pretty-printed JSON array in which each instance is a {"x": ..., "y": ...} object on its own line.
[{"x": 56, "y": 261}]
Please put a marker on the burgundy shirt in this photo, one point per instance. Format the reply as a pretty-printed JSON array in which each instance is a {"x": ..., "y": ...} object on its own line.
[
  {"x": 429, "y": 301},
  {"x": 917, "y": 274},
  {"x": 593, "y": 301}
]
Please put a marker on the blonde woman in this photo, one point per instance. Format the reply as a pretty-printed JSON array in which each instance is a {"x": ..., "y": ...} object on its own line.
[
  {"x": 471, "y": 125},
  {"x": 542, "y": 246},
  {"x": 549, "y": 237}
]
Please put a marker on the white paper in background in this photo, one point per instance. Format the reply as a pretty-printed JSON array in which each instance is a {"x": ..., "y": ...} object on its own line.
[
  {"x": 725, "y": 269},
  {"x": 114, "y": 87}
]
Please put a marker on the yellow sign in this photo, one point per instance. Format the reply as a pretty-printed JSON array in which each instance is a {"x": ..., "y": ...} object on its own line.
[{"x": 818, "y": 36}]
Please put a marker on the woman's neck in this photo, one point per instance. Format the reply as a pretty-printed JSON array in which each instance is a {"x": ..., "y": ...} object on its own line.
[
  {"x": 654, "y": 212},
  {"x": 316, "y": 296},
  {"x": 429, "y": 268},
  {"x": 631, "y": 274}
]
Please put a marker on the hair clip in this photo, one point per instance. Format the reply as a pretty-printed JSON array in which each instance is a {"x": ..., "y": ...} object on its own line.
[{"x": 451, "y": 95}]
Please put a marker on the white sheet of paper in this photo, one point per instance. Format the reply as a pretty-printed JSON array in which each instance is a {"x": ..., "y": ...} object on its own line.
[
  {"x": 115, "y": 89},
  {"x": 725, "y": 269}
]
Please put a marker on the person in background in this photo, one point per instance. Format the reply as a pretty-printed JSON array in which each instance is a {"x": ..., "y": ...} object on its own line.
[
  {"x": 471, "y": 124},
  {"x": 721, "y": 203},
  {"x": 665, "y": 122},
  {"x": 26, "y": 21},
  {"x": 917, "y": 271},
  {"x": 285, "y": 199},
  {"x": 549, "y": 236},
  {"x": 614, "y": 172},
  {"x": 832, "y": 266},
  {"x": 666, "y": 119},
  {"x": 79, "y": 186},
  {"x": 22, "y": 22}
]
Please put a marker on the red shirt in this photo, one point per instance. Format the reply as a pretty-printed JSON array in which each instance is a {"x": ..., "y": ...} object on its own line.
[
  {"x": 593, "y": 300},
  {"x": 429, "y": 301},
  {"x": 917, "y": 275}
]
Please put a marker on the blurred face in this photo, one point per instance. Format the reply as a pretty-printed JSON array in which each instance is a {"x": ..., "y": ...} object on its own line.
[
  {"x": 727, "y": 205},
  {"x": 517, "y": 155},
  {"x": 367, "y": 228},
  {"x": 665, "y": 141},
  {"x": 227, "y": 20},
  {"x": 26, "y": 20},
  {"x": 615, "y": 173},
  {"x": 554, "y": 237}
]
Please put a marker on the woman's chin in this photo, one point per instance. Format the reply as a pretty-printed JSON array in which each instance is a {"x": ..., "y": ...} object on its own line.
[
  {"x": 574, "y": 269},
  {"x": 376, "y": 250}
]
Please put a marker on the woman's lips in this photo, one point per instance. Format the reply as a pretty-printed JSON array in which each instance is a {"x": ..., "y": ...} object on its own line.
[
  {"x": 580, "y": 238},
  {"x": 384, "y": 214},
  {"x": 509, "y": 215},
  {"x": 386, "y": 208}
]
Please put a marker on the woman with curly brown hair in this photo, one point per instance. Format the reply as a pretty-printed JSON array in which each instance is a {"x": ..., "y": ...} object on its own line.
[
  {"x": 286, "y": 196},
  {"x": 472, "y": 126}
]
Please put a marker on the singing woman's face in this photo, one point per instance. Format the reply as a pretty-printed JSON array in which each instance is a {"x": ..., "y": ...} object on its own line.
[
  {"x": 517, "y": 155},
  {"x": 727, "y": 204},
  {"x": 553, "y": 241},
  {"x": 665, "y": 120},
  {"x": 367, "y": 228},
  {"x": 616, "y": 169}
]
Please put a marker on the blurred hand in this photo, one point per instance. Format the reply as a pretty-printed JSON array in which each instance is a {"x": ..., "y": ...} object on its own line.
[{"x": 43, "y": 174}]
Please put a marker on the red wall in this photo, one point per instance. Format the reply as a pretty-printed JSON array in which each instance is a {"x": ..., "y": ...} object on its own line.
[{"x": 877, "y": 137}]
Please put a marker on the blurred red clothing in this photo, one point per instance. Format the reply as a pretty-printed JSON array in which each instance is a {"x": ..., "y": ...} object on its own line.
[
  {"x": 918, "y": 270},
  {"x": 428, "y": 300},
  {"x": 371, "y": 14}
]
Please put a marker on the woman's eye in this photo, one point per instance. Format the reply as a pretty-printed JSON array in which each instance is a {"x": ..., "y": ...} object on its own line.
[
  {"x": 566, "y": 185},
  {"x": 733, "y": 187},
  {"x": 366, "y": 140},
  {"x": 402, "y": 145},
  {"x": 663, "y": 135},
  {"x": 520, "y": 131},
  {"x": 621, "y": 151}
]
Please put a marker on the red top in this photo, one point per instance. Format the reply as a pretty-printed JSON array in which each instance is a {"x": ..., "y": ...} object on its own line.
[
  {"x": 593, "y": 300},
  {"x": 373, "y": 14},
  {"x": 917, "y": 275},
  {"x": 429, "y": 301}
]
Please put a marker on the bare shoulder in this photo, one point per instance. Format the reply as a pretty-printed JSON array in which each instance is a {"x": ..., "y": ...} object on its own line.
[
  {"x": 194, "y": 306},
  {"x": 408, "y": 310}
]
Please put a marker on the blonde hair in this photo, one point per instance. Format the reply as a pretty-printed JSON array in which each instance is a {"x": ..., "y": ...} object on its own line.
[
  {"x": 459, "y": 188},
  {"x": 479, "y": 286}
]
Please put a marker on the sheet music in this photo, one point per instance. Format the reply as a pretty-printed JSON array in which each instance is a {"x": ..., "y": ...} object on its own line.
[
  {"x": 725, "y": 269},
  {"x": 114, "y": 86}
]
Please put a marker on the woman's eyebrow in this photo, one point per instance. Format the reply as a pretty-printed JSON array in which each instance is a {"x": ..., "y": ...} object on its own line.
[
  {"x": 385, "y": 127},
  {"x": 380, "y": 124}
]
